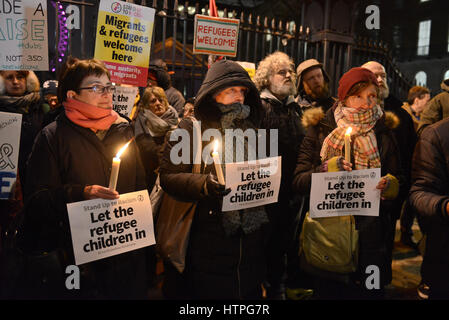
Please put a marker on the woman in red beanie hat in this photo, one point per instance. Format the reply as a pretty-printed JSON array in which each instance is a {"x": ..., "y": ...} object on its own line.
[{"x": 372, "y": 146}]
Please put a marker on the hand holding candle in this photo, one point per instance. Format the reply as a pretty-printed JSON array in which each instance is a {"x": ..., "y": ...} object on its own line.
[
  {"x": 99, "y": 192},
  {"x": 348, "y": 144},
  {"x": 116, "y": 166},
  {"x": 217, "y": 164}
]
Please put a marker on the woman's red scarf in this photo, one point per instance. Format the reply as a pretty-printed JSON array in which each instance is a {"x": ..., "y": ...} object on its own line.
[{"x": 89, "y": 116}]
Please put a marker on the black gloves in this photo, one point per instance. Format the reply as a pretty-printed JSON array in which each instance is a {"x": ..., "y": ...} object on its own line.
[{"x": 214, "y": 189}]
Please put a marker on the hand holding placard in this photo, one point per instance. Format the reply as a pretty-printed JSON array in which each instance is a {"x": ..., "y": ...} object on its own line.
[
  {"x": 103, "y": 228},
  {"x": 345, "y": 193}
]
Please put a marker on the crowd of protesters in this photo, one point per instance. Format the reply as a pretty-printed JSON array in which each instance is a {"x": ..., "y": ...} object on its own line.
[{"x": 70, "y": 132}]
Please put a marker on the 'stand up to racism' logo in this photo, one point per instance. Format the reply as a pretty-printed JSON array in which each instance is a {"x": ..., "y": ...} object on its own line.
[{"x": 116, "y": 7}]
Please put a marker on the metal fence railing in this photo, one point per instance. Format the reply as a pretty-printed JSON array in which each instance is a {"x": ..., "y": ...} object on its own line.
[{"x": 259, "y": 36}]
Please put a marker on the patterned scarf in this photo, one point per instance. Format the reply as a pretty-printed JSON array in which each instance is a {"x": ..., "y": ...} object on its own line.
[
  {"x": 364, "y": 143},
  {"x": 89, "y": 116},
  {"x": 250, "y": 219}
]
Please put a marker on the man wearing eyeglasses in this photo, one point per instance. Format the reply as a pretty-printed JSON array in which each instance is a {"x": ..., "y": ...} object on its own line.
[{"x": 275, "y": 79}]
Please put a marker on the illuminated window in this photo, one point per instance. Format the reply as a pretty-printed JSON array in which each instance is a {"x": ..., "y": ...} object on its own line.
[
  {"x": 446, "y": 75},
  {"x": 424, "y": 37},
  {"x": 421, "y": 78}
]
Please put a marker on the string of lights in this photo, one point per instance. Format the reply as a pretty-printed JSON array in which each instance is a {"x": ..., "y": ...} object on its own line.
[{"x": 62, "y": 36}]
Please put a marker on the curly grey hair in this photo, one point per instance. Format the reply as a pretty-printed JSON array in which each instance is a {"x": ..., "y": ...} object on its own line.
[{"x": 269, "y": 66}]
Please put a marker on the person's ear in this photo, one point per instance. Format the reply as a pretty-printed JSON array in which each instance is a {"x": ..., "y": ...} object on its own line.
[{"x": 71, "y": 94}]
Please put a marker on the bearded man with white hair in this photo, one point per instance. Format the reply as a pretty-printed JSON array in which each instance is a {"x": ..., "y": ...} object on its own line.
[{"x": 275, "y": 79}]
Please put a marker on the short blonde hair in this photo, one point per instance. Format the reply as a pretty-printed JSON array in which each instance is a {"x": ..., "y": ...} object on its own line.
[
  {"x": 269, "y": 66},
  {"x": 158, "y": 92}
]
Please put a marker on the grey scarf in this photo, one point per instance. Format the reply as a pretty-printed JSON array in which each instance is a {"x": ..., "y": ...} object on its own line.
[
  {"x": 248, "y": 220},
  {"x": 149, "y": 123},
  {"x": 21, "y": 103}
]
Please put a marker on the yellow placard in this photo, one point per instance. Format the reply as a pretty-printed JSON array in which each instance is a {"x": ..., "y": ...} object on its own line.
[{"x": 122, "y": 39}]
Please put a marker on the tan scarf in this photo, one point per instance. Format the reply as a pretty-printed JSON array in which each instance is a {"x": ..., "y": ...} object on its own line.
[{"x": 364, "y": 143}]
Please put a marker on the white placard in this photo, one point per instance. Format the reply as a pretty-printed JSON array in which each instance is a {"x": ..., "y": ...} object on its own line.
[
  {"x": 123, "y": 99},
  {"x": 345, "y": 193},
  {"x": 252, "y": 184},
  {"x": 23, "y": 35},
  {"x": 10, "y": 127},
  {"x": 103, "y": 228}
]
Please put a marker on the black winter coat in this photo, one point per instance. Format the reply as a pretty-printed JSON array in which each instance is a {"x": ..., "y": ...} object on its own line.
[
  {"x": 374, "y": 232},
  {"x": 66, "y": 158},
  {"x": 176, "y": 100},
  {"x": 32, "y": 116},
  {"x": 406, "y": 137},
  {"x": 429, "y": 196},
  {"x": 286, "y": 118},
  {"x": 151, "y": 149},
  {"x": 217, "y": 266}
]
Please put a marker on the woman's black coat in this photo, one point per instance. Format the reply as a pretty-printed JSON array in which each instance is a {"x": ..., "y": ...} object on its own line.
[{"x": 66, "y": 158}]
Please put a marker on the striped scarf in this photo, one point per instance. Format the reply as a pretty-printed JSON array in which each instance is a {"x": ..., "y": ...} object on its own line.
[{"x": 364, "y": 143}]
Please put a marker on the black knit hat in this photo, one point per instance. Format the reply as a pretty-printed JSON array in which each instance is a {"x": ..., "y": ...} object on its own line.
[{"x": 50, "y": 87}]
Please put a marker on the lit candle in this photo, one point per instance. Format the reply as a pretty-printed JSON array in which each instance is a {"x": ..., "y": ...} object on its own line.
[
  {"x": 348, "y": 144},
  {"x": 217, "y": 164},
  {"x": 116, "y": 166}
]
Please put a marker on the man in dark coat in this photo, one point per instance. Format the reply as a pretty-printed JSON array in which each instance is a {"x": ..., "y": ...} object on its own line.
[
  {"x": 226, "y": 254},
  {"x": 429, "y": 196},
  {"x": 437, "y": 108},
  {"x": 275, "y": 79}
]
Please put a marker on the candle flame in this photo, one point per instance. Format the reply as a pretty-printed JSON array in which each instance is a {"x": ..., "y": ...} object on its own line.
[
  {"x": 120, "y": 152},
  {"x": 348, "y": 131},
  {"x": 215, "y": 146}
]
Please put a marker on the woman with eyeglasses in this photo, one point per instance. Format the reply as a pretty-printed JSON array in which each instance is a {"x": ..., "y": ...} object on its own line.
[{"x": 70, "y": 162}]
